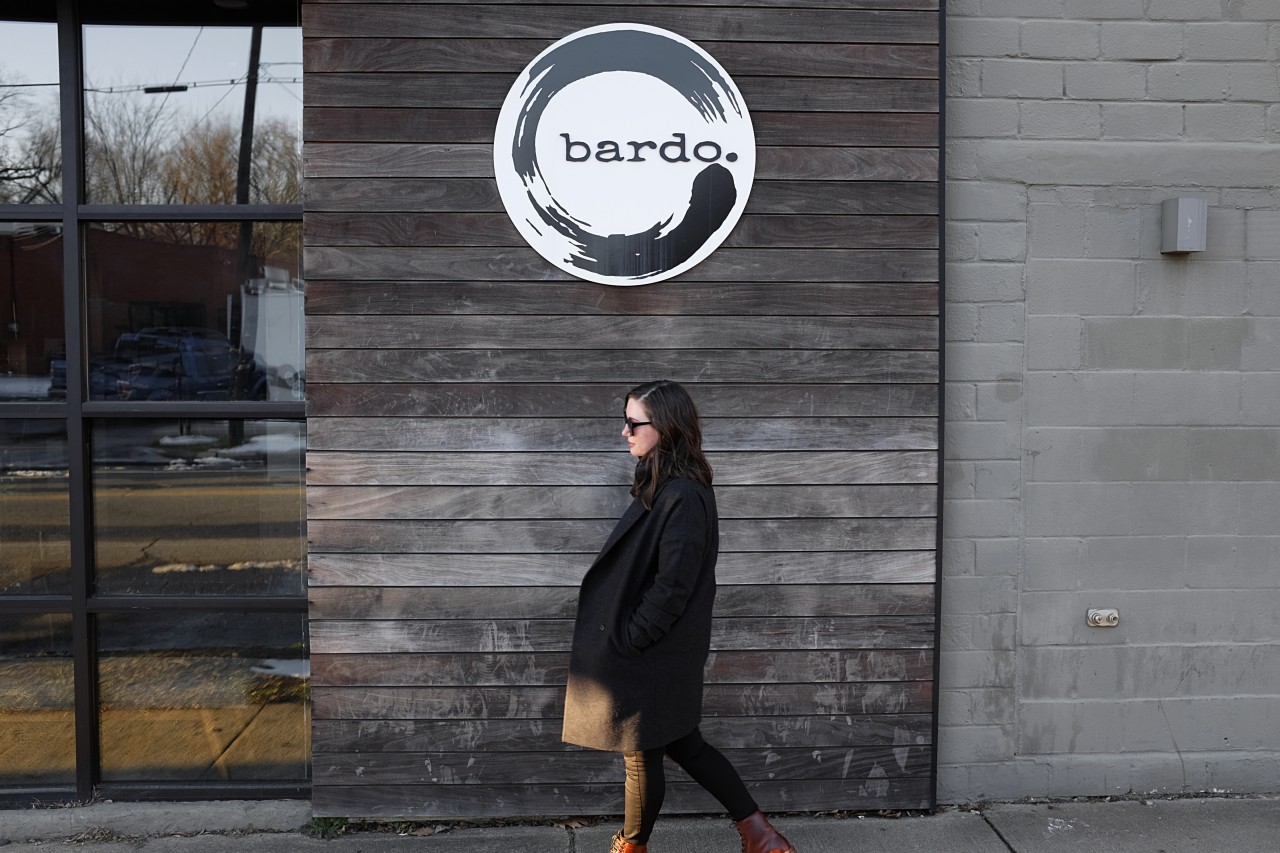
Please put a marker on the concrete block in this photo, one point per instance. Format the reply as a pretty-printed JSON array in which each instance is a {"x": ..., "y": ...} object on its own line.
[
  {"x": 967, "y": 8},
  {"x": 1002, "y": 241},
  {"x": 1135, "y": 343},
  {"x": 979, "y": 595},
  {"x": 1141, "y": 40},
  {"x": 1262, "y": 235},
  {"x": 1059, "y": 39},
  {"x": 1234, "y": 454},
  {"x": 978, "y": 518},
  {"x": 987, "y": 202},
  {"x": 1233, "y": 562},
  {"x": 961, "y": 241},
  {"x": 1098, "y": 163},
  {"x": 1079, "y": 399},
  {"x": 1053, "y": 454},
  {"x": 1053, "y": 342},
  {"x": 998, "y": 558},
  {"x": 999, "y": 480},
  {"x": 1060, "y": 120},
  {"x": 1142, "y": 121},
  {"x": 1199, "y": 288},
  {"x": 1218, "y": 343},
  {"x": 962, "y": 158},
  {"x": 984, "y": 282},
  {"x": 1273, "y": 122},
  {"x": 1112, "y": 232},
  {"x": 960, "y": 480},
  {"x": 1134, "y": 454},
  {"x": 1021, "y": 78},
  {"x": 1081, "y": 287},
  {"x": 1178, "y": 397},
  {"x": 982, "y": 37},
  {"x": 1226, "y": 40},
  {"x": 978, "y": 440},
  {"x": 1106, "y": 672},
  {"x": 978, "y": 668},
  {"x": 964, "y": 78},
  {"x": 1263, "y": 279},
  {"x": 962, "y": 401},
  {"x": 1133, "y": 562},
  {"x": 1001, "y": 323},
  {"x": 982, "y": 362},
  {"x": 1200, "y": 81},
  {"x": 1247, "y": 198},
  {"x": 976, "y": 117},
  {"x": 1254, "y": 81},
  {"x": 957, "y": 557},
  {"x": 1103, "y": 9},
  {"x": 979, "y": 706},
  {"x": 1254, "y": 10},
  {"x": 1260, "y": 393},
  {"x": 1106, "y": 81},
  {"x": 1258, "y": 502},
  {"x": 1131, "y": 509},
  {"x": 1226, "y": 235},
  {"x": 1056, "y": 230},
  {"x": 1261, "y": 346},
  {"x": 961, "y": 322},
  {"x": 1001, "y": 401},
  {"x": 1226, "y": 122},
  {"x": 1023, "y": 8},
  {"x": 1051, "y": 564},
  {"x": 1185, "y": 10},
  {"x": 976, "y": 743}
]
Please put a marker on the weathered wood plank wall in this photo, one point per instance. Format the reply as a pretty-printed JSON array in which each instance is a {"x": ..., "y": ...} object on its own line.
[{"x": 465, "y": 462}]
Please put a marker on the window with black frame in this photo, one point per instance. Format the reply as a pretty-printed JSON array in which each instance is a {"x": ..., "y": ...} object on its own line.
[{"x": 152, "y": 435}]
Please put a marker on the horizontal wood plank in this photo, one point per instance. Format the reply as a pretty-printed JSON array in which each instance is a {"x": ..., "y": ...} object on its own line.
[
  {"x": 390, "y": 636},
  {"x": 787, "y": 127},
  {"x": 555, "y": 21},
  {"x": 563, "y": 399},
  {"x": 343, "y": 468},
  {"x": 514, "y": 702},
  {"x": 745, "y": 601},
  {"x": 832, "y": 299},
  {"x": 373, "y": 736},
  {"x": 563, "y": 767},
  {"x": 480, "y": 195},
  {"x": 495, "y": 229},
  {"x": 478, "y": 55},
  {"x": 778, "y": 4},
  {"x": 551, "y": 668},
  {"x": 588, "y": 434},
  {"x": 567, "y": 568}
]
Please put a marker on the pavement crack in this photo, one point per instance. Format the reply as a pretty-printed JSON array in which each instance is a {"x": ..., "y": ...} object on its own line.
[{"x": 998, "y": 833}]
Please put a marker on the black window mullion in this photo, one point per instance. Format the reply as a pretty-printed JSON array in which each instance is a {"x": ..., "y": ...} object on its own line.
[{"x": 82, "y": 629}]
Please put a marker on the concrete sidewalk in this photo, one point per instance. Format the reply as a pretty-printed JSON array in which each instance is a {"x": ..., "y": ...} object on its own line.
[{"x": 1236, "y": 825}]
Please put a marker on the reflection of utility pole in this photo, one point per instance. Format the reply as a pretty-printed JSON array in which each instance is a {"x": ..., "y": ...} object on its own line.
[{"x": 245, "y": 249}]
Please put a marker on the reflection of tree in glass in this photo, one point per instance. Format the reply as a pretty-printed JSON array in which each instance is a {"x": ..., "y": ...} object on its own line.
[{"x": 30, "y": 159}]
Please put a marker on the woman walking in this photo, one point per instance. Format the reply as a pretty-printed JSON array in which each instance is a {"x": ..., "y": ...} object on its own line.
[{"x": 643, "y": 629}]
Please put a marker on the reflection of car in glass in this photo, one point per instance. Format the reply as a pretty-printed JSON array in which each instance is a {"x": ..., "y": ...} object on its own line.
[{"x": 169, "y": 363}]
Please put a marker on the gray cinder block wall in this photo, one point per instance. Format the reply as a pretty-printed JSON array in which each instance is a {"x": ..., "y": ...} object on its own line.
[{"x": 1113, "y": 414}]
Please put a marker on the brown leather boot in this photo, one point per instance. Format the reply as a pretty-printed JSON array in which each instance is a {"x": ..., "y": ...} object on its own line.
[
  {"x": 620, "y": 846},
  {"x": 759, "y": 836}
]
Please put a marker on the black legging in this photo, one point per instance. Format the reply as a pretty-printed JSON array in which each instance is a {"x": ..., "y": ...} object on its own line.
[{"x": 647, "y": 783}]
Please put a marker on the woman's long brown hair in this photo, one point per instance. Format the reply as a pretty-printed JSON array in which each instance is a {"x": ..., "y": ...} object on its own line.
[{"x": 678, "y": 452}]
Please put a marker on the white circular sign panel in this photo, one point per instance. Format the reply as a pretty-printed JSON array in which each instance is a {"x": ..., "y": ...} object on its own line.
[{"x": 624, "y": 154}]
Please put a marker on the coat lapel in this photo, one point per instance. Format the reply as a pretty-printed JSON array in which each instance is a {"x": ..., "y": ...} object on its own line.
[{"x": 629, "y": 518}]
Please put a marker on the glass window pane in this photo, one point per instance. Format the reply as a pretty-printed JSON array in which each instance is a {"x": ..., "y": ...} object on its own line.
[
  {"x": 30, "y": 127},
  {"x": 165, "y": 108},
  {"x": 195, "y": 311},
  {"x": 184, "y": 507},
  {"x": 37, "y": 715},
  {"x": 32, "y": 361},
  {"x": 203, "y": 696},
  {"x": 35, "y": 549}
]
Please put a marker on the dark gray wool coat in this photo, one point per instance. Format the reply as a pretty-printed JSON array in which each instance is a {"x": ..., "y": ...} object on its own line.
[{"x": 643, "y": 629}]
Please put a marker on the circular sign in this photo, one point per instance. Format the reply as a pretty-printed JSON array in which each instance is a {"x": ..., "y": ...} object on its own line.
[{"x": 624, "y": 154}]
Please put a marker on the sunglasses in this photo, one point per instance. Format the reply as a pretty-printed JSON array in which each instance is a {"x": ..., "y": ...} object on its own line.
[{"x": 630, "y": 425}]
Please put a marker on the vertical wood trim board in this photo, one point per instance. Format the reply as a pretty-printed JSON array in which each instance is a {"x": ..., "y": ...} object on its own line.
[{"x": 465, "y": 396}]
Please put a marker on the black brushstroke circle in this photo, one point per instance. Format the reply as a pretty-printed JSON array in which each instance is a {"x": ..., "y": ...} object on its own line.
[{"x": 713, "y": 194}]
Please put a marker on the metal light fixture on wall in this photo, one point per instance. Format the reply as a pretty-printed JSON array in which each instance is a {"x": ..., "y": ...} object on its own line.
[{"x": 1183, "y": 225}]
